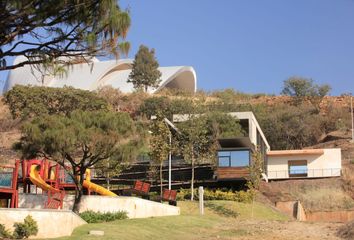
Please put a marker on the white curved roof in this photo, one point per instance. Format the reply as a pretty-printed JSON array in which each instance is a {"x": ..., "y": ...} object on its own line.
[{"x": 101, "y": 73}]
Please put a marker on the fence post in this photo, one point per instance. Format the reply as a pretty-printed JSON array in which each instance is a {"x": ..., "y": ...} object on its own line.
[{"x": 201, "y": 200}]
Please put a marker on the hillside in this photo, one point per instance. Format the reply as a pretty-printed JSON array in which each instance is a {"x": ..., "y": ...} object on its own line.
[
  {"x": 9, "y": 134},
  {"x": 340, "y": 190}
]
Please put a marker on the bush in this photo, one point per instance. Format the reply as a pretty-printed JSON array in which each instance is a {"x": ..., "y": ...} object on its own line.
[
  {"x": 239, "y": 196},
  {"x": 4, "y": 233},
  {"x": 26, "y": 229},
  {"x": 98, "y": 217}
]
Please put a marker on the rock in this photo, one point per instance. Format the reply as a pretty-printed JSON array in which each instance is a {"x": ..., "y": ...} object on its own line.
[{"x": 96, "y": 233}]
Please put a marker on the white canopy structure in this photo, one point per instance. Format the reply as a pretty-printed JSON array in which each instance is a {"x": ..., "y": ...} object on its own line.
[{"x": 96, "y": 74}]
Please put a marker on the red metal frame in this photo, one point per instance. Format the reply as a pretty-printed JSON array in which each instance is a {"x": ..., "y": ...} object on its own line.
[{"x": 12, "y": 193}]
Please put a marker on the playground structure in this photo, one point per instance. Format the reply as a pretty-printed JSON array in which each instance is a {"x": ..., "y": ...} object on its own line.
[
  {"x": 8, "y": 184},
  {"x": 50, "y": 177}
]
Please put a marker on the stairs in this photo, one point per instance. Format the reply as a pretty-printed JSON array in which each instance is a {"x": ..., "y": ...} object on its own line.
[{"x": 55, "y": 200}]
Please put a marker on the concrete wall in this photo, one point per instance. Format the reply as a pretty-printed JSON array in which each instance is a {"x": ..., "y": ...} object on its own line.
[
  {"x": 135, "y": 207},
  {"x": 253, "y": 127},
  {"x": 51, "y": 223},
  {"x": 326, "y": 165}
]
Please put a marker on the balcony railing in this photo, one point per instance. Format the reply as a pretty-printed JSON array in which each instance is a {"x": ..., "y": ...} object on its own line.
[{"x": 309, "y": 173}]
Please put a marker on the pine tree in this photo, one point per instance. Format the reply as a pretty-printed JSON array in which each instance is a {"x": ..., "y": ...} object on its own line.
[
  {"x": 145, "y": 72},
  {"x": 55, "y": 33}
]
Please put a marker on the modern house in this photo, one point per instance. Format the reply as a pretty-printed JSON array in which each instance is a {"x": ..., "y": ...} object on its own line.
[
  {"x": 235, "y": 155},
  {"x": 95, "y": 74}
]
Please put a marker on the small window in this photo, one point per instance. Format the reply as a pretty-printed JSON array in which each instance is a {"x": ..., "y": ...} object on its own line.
[
  {"x": 297, "y": 168},
  {"x": 224, "y": 161}
]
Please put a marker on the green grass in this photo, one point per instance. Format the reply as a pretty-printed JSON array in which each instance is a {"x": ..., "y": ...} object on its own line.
[{"x": 189, "y": 225}]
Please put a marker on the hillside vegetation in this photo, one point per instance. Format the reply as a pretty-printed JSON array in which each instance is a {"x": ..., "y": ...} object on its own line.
[{"x": 286, "y": 125}]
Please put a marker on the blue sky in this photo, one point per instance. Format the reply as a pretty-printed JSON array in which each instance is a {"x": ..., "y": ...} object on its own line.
[{"x": 250, "y": 45}]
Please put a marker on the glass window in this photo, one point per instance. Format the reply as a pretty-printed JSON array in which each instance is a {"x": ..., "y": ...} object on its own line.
[
  {"x": 240, "y": 158},
  {"x": 224, "y": 154},
  {"x": 298, "y": 170},
  {"x": 224, "y": 161}
]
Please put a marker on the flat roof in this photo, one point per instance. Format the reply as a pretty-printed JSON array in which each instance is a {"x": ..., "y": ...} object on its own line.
[{"x": 295, "y": 152}]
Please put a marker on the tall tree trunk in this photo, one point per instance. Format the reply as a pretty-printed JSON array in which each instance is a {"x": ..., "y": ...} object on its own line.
[
  {"x": 79, "y": 188},
  {"x": 192, "y": 180},
  {"x": 78, "y": 195},
  {"x": 161, "y": 179}
]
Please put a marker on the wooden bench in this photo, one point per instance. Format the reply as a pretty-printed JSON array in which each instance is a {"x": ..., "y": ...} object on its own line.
[
  {"x": 140, "y": 188},
  {"x": 169, "y": 196}
]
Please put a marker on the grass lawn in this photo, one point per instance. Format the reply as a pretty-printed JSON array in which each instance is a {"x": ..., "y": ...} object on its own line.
[{"x": 189, "y": 225}]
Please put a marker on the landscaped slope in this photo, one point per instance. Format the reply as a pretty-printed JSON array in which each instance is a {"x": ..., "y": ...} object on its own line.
[{"x": 213, "y": 225}]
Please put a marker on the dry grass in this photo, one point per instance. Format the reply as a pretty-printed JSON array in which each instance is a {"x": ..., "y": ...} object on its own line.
[
  {"x": 315, "y": 195},
  {"x": 347, "y": 231}
]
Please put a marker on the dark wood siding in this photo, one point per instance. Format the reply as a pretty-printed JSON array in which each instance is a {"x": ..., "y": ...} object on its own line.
[{"x": 232, "y": 172}]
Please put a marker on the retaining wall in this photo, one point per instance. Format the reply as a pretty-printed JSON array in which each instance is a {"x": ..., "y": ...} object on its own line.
[
  {"x": 293, "y": 209},
  {"x": 135, "y": 207},
  {"x": 51, "y": 223},
  {"x": 330, "y": 216}
]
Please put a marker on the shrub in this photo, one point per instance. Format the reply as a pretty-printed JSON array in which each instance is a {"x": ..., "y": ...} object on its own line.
[
  {"x": 239, "y": 196},
  {"x": 98, "y": 217},
  {"x": 26, "y": 229},
  {"x": 4, "y": 233}
]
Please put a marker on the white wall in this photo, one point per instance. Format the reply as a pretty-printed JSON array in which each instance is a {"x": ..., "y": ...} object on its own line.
[
  {"x": 326, "y": 165},
  {"x": 135, "y": 207},
  {"x": 51, "y": 223}
]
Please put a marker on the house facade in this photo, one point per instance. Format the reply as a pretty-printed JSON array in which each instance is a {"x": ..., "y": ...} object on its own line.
[
  {"x": 234, "y": 155},
  {"x": 307, "y": 163}
]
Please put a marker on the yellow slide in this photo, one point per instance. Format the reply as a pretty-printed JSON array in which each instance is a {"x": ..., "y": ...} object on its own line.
[
  {"x": 38, "y": 181},
  {"x": 96, "y": 188}
]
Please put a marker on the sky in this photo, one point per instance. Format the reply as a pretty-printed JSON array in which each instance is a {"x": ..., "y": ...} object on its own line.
[{"x": 249, "y": 45}]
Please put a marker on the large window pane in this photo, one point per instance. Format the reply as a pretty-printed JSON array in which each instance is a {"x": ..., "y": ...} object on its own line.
[{"x": 240, "y": 158}]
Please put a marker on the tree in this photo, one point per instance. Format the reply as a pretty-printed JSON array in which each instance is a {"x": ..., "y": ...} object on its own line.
[
  {"x": 56, "y": 33},
  {"x": 27, "y": 102},
  {"x": 195, "y": 143},
  {"x": 79, "y": 140},
  {"x": 255, "y": 176},
  {"x": 114, "y": 165},
  {"x": 304, "y": 88},
  {"x": 145, "y": 72},
  {"x": 159, "y": 144}
]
